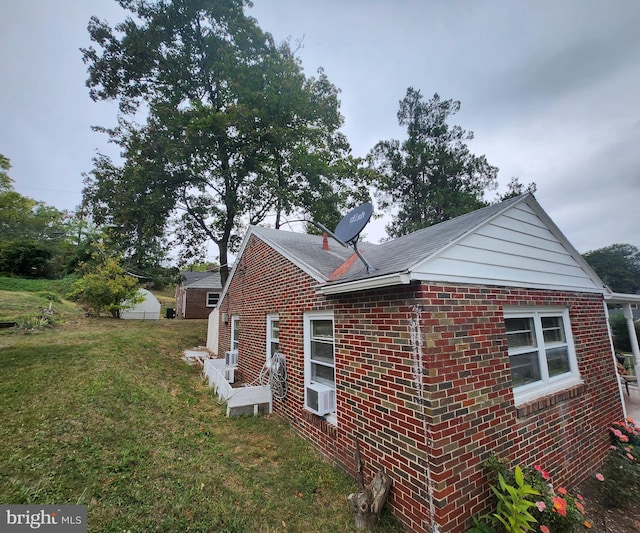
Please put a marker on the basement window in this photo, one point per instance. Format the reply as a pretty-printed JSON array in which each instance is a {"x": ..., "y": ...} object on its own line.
[{"x": 541, "y": 352}]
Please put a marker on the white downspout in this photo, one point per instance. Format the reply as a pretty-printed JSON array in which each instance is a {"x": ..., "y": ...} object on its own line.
[{"x": 628, "y": 314}]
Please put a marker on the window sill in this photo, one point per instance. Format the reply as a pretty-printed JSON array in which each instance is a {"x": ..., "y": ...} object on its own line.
[
  {"x": 327, "y": 424},
  {"x": 549, "y": 399}
]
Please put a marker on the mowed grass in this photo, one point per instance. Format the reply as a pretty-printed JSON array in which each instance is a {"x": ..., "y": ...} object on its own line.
[{"x": 104, "y": 412}]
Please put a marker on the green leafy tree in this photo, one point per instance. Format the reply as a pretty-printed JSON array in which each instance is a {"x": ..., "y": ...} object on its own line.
[
  {"x": 233, "y": 130},
  {"x": 32, "y": 234},
  {"x": 431, "y": 176},
  {"x": 5, "y": 180},
  {"x": 24, "y": 257},
  {"x": 105, "y": 286},
  {"x": 515, "y": 188},
  {"x": 618, "y": 266}
]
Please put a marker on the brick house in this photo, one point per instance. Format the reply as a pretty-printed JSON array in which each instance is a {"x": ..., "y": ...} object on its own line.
[
  {"x": 197, "y": 294},
  {"x": 484, "y": 334}
]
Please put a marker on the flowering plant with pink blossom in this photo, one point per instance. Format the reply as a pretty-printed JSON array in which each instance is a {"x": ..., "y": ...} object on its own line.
[
  {"x": 556, "y": 510},
  {"x": 620, "y": 483}
]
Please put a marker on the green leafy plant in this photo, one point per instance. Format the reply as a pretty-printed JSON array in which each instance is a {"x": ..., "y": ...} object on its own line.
[
  {"x": 513, "y": 503},
  {"x": 480, "y": 527},
  {"x": 555, "y": 510},
  {"x": 105, "y": 286}
]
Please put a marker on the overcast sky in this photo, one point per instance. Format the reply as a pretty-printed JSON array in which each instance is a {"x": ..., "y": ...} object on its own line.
[{"x": 551, "y": 89}]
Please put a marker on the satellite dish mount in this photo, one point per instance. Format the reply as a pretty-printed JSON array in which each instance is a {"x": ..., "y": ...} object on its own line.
[{"x": 349, "y": 228}]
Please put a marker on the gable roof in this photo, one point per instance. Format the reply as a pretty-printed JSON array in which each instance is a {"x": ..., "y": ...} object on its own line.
[
  {"x": 304, "y": 250},
  {"x": 513, "y": 243},
  {"x": 200, "y": 280}
]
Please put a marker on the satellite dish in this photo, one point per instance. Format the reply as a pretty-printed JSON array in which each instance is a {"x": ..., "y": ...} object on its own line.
[{"x": 349, "y": 228}]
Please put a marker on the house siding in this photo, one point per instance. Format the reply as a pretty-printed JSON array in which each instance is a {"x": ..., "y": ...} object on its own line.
[
  {"x": 516, "y": 248},
  {"x": 423, "y": 382},
  {"x": 196, "y": 303}
]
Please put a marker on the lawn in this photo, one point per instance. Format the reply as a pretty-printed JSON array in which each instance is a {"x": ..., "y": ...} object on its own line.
[{"x": 104, "y": 412}]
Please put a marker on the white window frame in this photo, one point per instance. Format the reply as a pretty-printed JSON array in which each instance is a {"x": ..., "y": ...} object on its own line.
[
  {"x": 310, "y": 317},
  {"x": 235, "y": 328},
  {"x": 271, "y": 318},
  {"x": 547, "y": 384},
  {"x": 208, "y": 299}
]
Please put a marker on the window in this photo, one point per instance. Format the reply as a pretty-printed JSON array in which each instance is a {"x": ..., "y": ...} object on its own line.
[
  {"x": 273, "y": 335},
  {"x": 541, "y": 352},
  {"x": 319, "y": 354},
  {"x": 235, "y": 333},
  {"x": 212, "y": 299}
]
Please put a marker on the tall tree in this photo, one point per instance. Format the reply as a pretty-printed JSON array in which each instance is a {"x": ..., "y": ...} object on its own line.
[
  {"x": 234, "y": 131},
  {"x": 431, "y": 176},
  {"x": 32, "y": 234},
  {"x": 515, "y": 188},
  {"x": 5, "y": 180},
  {"x": 618, "y": 266}
]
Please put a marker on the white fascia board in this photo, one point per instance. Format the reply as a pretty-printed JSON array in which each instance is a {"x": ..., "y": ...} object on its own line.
[
  {"x": 402, "y": 278},
  {"x": 621, "y": 298},
  {"x": 500, "y": 283}
]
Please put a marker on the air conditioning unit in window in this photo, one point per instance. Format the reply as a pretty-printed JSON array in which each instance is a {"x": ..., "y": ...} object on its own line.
[
  {"x": 231, "y": 358},
  {"x": 320, "y": 399}
]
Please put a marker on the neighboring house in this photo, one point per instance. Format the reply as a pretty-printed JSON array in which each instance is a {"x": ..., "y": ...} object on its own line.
[
  {"x": 484, "y": 334},
  {"x": 147, "y": 309},
  {"x": 198, "y": 294}
]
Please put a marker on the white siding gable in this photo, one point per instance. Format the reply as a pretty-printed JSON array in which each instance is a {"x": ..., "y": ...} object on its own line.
[{"x": 519, "y": 247}]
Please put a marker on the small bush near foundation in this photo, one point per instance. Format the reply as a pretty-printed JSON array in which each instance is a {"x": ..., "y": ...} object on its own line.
[
  {"x": 620, "y": 475},
  {"x": 533, "y": 500}
]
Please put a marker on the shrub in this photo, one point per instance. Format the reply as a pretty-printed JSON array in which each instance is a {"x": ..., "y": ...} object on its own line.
[
  {"x": 554, "y": 510},
  {"x": 105, "y": 286},
  {"x": 620, "y": 476}
]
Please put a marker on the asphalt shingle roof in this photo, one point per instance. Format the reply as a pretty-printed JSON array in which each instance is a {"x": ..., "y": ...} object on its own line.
[
  {"x": 403, "y": 253},
  {"x": 191, "y": 278},
  {"x": 395, "y": 256},
  {"x": 306, "y": 250}
]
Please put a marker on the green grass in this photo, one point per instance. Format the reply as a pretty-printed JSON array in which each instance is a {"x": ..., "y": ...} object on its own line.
[
  {"x": 105, "y": 413},
  {"x": 32, "y": 285}
]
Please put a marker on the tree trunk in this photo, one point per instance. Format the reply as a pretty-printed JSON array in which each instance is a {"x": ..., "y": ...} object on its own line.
[{"x": 367, "y": 503}]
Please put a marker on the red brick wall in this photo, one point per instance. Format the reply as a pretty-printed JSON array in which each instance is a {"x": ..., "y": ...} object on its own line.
[
  {"x": 266, "y": 283},
  {"x": 196, "y": 303},
  {"x": 423, "y": 382}
]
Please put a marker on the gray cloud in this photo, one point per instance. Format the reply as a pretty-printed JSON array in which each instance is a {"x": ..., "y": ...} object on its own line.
[{"x": 549, "y": 88}]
